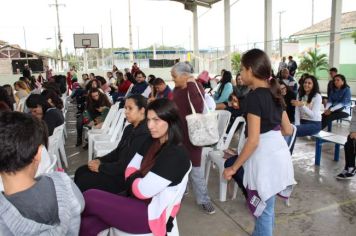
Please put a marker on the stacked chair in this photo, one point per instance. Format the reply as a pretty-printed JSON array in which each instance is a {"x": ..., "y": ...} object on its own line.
[{"x": 107, "y": 128}]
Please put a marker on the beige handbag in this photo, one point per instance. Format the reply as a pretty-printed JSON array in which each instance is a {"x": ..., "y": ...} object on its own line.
[{"x": 202, "y": 128}]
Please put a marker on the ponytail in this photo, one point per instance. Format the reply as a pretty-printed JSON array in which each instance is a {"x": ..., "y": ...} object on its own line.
[{"x": 260, "y": 65}]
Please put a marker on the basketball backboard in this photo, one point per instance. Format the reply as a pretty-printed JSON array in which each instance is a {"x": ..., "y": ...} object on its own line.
[{"x": 86, "y": 40}]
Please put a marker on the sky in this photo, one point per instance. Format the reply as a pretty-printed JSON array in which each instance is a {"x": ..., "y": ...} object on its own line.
[{"x": 153, "y": 22}]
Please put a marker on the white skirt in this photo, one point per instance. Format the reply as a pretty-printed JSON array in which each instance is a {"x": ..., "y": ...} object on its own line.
[{"x": 269, "y": 170}]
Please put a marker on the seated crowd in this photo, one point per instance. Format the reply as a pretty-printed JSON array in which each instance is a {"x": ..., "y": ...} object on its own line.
[{"x": 132, "y": 187}]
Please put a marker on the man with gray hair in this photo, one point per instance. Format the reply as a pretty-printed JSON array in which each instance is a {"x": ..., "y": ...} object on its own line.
[{"x": 184, "y": 84}]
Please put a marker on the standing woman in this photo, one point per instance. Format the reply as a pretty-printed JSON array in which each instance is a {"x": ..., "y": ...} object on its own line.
[
  {"x": 267, "y": 164},
  {"x": 185, "y": 84},
  {"x": 339, "y": 101}
]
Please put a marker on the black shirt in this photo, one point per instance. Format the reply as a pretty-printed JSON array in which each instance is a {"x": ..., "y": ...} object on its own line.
[
  {"x": 260, "y": 102},
  {"x": 133, "y": 140},
  {"x": 53, "y": 118}
]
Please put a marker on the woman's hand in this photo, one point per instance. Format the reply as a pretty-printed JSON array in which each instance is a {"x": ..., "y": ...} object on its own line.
[
  {"x": 100, "y": 109},
  {"x": 94, "y": 165},
  {"x": 297, "y": 103},
  {"x": 228, "y": 173},
  {"x": 327, "y": 112}
]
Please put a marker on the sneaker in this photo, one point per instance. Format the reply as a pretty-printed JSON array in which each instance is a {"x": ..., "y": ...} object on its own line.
[
  {"x": 208, "y": 208},
  {"x": 346, "y": 175}
]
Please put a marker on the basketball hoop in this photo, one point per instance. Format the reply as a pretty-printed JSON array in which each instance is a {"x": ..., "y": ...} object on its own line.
[{"x": 86, "y": 40}]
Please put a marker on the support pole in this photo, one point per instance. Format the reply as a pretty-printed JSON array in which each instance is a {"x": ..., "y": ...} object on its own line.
[
  {"x": 227, "y": 35},
  {"x": 195, "y": 38},
  {"x": 112, "y": 41},
  {"x": 268, "y": 28},
  {"x": 335, "y": 28}
]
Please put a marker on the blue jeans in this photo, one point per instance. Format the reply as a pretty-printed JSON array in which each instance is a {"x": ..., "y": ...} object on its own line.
[
  {"x": 308, "y": 127},
  {"x": 199, "y": 185},
  {"x": 265, "y": 223}
]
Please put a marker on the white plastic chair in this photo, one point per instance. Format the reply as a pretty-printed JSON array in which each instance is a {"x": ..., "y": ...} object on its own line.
[
  {"x": 290, "y": 141},
  {"x": 223, "y": 122},
  {"x": 100, "y": 140},
  {"x": 53, "y": 148},
  {"x": 107, "y": 128},
  {"x": 129, "y": 90},
  {"x": 53, "y": 165},
  {"x": 56, "y": 146},
  {"x": 217, "y": 156},
  {"x": 177, "y": 198},
  {"x": 105, "y": 148}
]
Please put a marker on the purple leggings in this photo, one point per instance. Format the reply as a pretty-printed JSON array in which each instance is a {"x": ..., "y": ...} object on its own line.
[{"x": 104, "y": 210}]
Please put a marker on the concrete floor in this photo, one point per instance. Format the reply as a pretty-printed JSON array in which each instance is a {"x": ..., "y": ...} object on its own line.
[{"x": 320, "y": 204}]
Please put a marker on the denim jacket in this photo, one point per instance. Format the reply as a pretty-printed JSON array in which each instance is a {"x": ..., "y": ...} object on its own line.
[{"x": 339, "y": 99}]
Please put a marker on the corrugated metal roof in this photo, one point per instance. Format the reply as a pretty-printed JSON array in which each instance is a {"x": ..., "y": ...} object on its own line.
[
  {"x": 348, "y": 23},
  {"x": 16, "y": 47}
]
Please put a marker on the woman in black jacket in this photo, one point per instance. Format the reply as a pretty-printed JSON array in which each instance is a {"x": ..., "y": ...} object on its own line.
[{"x": 107, "y": 173}]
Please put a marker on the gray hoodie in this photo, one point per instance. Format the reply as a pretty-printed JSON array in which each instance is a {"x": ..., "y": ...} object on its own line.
[{"x": 70, "y": 205}]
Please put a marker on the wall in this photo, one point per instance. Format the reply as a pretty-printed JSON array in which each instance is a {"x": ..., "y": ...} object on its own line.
[{"x": 347, "y": 54}]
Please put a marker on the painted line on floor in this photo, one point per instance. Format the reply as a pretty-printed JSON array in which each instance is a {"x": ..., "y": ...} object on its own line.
[
  {"x": 74, "y": 154},
  {"x": 306, "y": 214}
]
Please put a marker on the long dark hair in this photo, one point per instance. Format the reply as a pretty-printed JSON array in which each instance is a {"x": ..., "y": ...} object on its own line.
[
  {"x": 89, "y": 84},
  {"x": 119, "y": 78},
  {"x": 260, "y": 65},
  {"x": 93, "y": 105},
  {"x": 168, "y": 111},
  {"x": 56, "y": 100},
  {"x": 226, "y": 78},
  {"x": 342, "y": 77},
  {"x": 4, "y": 97},
  {"x": 313, "y": 92}
]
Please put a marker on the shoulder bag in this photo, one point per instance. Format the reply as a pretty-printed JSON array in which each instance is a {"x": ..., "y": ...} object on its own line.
[{"x": 202, "y": 128}]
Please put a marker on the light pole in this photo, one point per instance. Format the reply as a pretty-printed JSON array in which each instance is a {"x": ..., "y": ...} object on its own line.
[
  {"x": 280, "y": 32},
  {"x": 130, "y": 34},
  {"x": 112, "y": 41},
  {"x": 59, "y": 32},
  {"x": 312, "y": 12}
]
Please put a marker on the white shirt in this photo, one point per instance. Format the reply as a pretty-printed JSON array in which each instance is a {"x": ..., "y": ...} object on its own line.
[{"x": 310, "y": 111}]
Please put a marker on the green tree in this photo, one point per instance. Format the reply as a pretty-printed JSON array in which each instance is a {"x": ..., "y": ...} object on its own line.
[
  {"x": 312, "y": 62},
  {"x": 235, "y": 62},
  {"x": 353, "y": 35}
]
